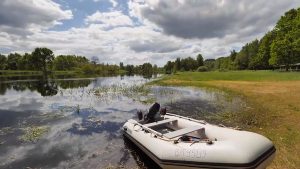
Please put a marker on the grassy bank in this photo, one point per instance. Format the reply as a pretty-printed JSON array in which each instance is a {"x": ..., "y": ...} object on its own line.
[
  {"x": 274, "y": 105},
  {"x": 11, "y": 73},
  {"x": 19, "y": 73}
]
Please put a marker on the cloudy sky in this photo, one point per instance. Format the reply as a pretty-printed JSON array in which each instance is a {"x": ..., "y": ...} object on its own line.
[{"x": 136, "y": 31}]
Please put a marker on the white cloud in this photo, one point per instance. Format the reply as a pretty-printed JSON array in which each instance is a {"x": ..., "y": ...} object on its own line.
[
  {"x": 109, "y": 19},
  {"x": 211, "y": 18},
  {"x": 113, "y": 2},
  {"x": 24, "y": 17},
  {"x": 152, "y": 31}
]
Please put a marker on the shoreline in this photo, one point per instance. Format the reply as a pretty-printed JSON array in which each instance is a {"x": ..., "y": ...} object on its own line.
[{"x": 273, "y": 108}]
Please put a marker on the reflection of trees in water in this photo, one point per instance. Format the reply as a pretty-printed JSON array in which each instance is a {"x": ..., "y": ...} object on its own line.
[
  {"x": 47, "y": 88},
  {"x": 145, "y": 75},
  {"x": 44, "y": 86},
  {"x": 71, "y": 84}
]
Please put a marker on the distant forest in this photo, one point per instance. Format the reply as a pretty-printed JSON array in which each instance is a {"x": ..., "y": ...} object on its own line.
[
  {"x": 43, "y": 59},
  {"x": 281, "y": 46}
]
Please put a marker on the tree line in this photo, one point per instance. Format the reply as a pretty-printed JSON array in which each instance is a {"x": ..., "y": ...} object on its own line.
[
  {"x": 281, "y": 46},
  {"x": 43, "y": 59},
  {"x": 146, "y": 69},
  {"x": 186, "y": 64}
]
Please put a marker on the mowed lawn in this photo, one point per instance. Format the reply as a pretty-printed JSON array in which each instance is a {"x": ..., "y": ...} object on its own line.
[
  {"x": 237, "y": 76},
  {"x": 274, "y": 105}
]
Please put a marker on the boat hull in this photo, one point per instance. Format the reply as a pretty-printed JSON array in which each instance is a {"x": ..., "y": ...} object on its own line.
[
  {"x": 239, "y": 150},
  {"x": 186, "y": 165}
]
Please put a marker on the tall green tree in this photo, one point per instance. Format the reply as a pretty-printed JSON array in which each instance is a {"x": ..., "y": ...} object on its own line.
[
  {"x": 43, "y": 58},
  {"x": 177, "y": 64},
  {"x": 25, "y": 62},
  {"x": 200, "y": 60},
  {"x": 261, "y": 60},
  {"x": 121, "y": 65},
  {"x": 189, "y": 63},
  {"x": 281, "y": 53},
  {"x": 129, "y": 69},
  {"x": 287, "y": 22},
  {"x": 3, "y": 60},
  {"x": 248, "y": 51},
  {"x": 232, "y": 55},
  {"x": 169, "y": 67},
  {"x": 12, "y": 61},
  {"x": 285, "y": 47},
  {"x": 69, "y": 62},
  {"x": 147, "y": 69},
  {"x": 209, "y": 63}
]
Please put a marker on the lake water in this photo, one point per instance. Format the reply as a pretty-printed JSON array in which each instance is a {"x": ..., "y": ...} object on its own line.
[{"x": 75, "y": 123}]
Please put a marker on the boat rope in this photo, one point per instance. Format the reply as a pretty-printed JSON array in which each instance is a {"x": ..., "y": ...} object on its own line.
[{"x": 160, "y": 136}]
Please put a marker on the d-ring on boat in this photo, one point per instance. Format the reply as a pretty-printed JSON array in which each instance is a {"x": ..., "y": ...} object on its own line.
[{"x": 177, "y": 142}]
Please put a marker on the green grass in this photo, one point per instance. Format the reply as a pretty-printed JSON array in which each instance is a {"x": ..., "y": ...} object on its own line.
[
  {"x": 19, "y": 72},
  {"x": 237, "y": 76},
  {"x": 11, "y": 73}
]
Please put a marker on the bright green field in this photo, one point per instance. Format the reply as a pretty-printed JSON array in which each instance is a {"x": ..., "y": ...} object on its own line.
[{"x": 237, "y": 76}]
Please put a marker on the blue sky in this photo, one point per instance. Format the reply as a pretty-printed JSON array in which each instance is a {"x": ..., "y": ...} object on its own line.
[
  {"x": 83, "y": 8},
  {"x": 136, "y": 31}
]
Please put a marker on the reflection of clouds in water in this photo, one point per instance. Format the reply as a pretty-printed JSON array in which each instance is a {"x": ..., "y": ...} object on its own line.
[
  {"x": 57, "y": 137},
  {"x": 15, "y": 153},
  {"x": 91, "y": 122},
  {"x": 87, "y": 135},
  {"x": 20, "y": 101},
  {"x": 53, "y": 138}
]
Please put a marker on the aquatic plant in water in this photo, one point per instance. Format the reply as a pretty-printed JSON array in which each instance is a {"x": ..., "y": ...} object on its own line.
[
  {"x": 33, "y": 133},
  {"x": 135, "y": 92},
  {"x": 6, "y": 130}
]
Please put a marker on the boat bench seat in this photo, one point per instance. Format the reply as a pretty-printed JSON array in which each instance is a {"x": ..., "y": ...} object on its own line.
[
  {"x": 182, "y": 132},
  {"x": 160, "y": 122}
]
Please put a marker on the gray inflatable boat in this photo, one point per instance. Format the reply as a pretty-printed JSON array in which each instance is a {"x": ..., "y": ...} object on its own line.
[{"x": 177, "y": 142}]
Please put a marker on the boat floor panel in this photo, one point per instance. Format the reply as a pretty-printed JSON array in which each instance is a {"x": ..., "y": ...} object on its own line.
[
  {"x": 162, "y": 122},
  {"x": 182, "y": 131}
]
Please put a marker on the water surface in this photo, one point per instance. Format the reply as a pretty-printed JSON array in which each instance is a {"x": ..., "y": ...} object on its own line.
[{"x": 83, "y": 118}]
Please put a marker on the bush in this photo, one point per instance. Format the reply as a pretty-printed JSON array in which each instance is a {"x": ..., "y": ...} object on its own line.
[
  {"x": 202, "y": 69},
  {"x": 88, "y": 69}
]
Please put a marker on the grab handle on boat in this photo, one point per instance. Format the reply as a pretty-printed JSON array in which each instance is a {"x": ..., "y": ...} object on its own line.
[{"x": 146, "y": 128}]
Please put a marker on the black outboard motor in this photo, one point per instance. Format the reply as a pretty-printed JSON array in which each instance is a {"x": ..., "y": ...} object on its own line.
[
  {"x": 152, "y": 112},
  {"x": 140, "y": 115}
]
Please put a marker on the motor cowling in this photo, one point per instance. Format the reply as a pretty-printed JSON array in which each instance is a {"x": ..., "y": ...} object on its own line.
[{"x": 153, "y": 110}]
